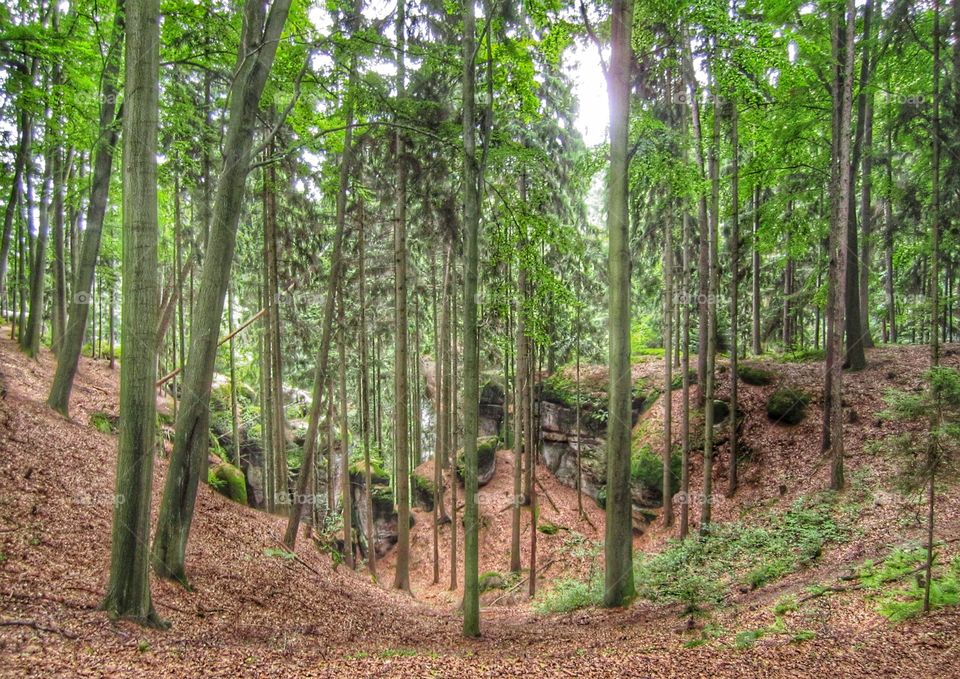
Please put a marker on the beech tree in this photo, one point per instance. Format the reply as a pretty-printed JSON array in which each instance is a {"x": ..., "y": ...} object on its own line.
[{"x": 128, "y": 590}]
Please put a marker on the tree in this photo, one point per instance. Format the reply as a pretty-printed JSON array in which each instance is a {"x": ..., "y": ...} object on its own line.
[
  {"x": 400, "y": 398},
  {"x": 128, "y": 589},
  {"x": 261, "y": 35},
  {"x": 69, "y": 356},
  {"x": 471, "y": 366},
  {"x": 843, "y": 44},
  {"x": 618, "y": 542}
]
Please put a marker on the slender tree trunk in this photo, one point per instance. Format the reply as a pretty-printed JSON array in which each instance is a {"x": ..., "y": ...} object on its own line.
[
  {"x": 618, "y": 538},
  {"x": 685, "y": 367},
  {"x": 667, "y": 367},
  {"x": 400, "y": 388},
  {"x": 60, "y": 179},
  {"x": 454, "y": 432},
  {"x": 30, "y": 339},
  {"x": 703, "y": 223},
  {"x": 734, "y": 292},
  {"x": 712, "y": 275},
  {"x": 471, "y": 366},
  {"x": 128, "y": 589},
  {"x": 843, "y": 99},
  {"x": 321, "y": 374},
  {"x": 365, "y": 394},
  {"x": 20, "y": 166},
  {"x": 261, "y": 34},
  {"x": 756, "y": 346},
  {"x": 344, "y": 436}
]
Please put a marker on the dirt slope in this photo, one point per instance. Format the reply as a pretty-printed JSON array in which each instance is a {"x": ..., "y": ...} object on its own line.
[{"x": 257, "y": 615}]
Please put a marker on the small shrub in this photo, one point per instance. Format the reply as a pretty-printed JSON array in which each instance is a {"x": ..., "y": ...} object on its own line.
[
  {"x": 548, "y": 528},
  {"x": 787, "y": 405},
  {"x": 570, "y": 595}
]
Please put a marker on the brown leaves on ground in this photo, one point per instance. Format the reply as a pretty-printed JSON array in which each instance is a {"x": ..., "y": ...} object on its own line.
[{"x": 253, "y": 614}]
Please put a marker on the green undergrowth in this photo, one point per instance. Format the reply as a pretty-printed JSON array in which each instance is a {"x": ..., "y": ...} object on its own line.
[{"x": 702, "y": 571}]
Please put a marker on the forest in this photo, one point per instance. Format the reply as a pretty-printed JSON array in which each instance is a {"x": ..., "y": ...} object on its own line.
[{"x": 416, "y": 338}]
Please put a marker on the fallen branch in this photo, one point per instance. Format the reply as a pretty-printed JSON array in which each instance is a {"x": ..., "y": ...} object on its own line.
[
  {"x": 38, "y": 626},
  {"x": 547, "y": 495},
  {"x": 586, "y": 517},
  {"x": 515, "y": 586},
  {"x": 243, "y": 326}
]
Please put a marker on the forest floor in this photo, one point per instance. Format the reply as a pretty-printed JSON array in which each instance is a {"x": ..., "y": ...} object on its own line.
[{"x": 255, "y": 613}]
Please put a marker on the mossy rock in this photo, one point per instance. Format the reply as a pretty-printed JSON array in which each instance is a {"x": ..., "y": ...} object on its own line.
[
  {"x": 423, "y": 492},
  {"x": 492, "y": 392},
  {"x": 751, "y": 374},
  {"x": 105, "y": 423},
  {"x": 721, "y": 411},
  {"x": 230, "y": 482},
  {"x": 787, "y": 405},
  {"x": 378, "y": 475},
  {"x": 492, "y": 580},
  {"x": 559, "y": 389},
  {"x": 486, "y": 458},
  {"x": 382, "y": 499}
]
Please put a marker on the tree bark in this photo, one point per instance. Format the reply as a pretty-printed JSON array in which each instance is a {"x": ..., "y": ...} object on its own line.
[
  {"x": 471, "y": 366},
  {"x": 128, "y": 589},
  {"x": 618, "y": 544},
  {"x": 401, "y": 578}
]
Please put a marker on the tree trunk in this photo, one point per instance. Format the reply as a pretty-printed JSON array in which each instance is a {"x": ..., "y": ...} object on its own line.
[
  {"x": 401, "y": 578},
  {"x": 667, "y": 366},
  {"x": 471, "y": 365},
  {"x": 261, "y": 34},
  {"x": 685, "y": 367},
  {"x": 365, "y": 395},
  {"x": 618, "y": 542},
  {"x": 842, "y": 103},
  {"x": 321, "y": 374},
  {"x": 128, "y": 589},
  {"x": 733, "y": 478},
  {"x": 756, "y": 346},
  {"x": 347, "y": 500},
  {"x": 710, "y": 381},
  {"x": 20, "y": 165}
]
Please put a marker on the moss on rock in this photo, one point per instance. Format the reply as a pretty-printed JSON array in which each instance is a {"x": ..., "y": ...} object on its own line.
[
  {"x": 230, "y": 482},
  {"x": 787, "y": 405},
  {"x": 753, "y": 375}
]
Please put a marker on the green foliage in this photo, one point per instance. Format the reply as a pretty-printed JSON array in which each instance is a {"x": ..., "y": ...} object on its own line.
[
  {"x": 700, "y": 572},
  {"x": 278, "y": 553},
  {"x": 906, "y": 601},
  {"x": 569, "y": 595},
  {"x": 801, "y": 356},
  {"x": 787, "y": 405}
]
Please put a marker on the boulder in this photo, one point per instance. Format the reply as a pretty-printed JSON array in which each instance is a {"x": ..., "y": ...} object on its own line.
[
  {"x": 228, "y": 480},
  {"x": 787, "y": 406},
  {"x": 486, "y": 459},
  {"x": 385, "y": 520}
]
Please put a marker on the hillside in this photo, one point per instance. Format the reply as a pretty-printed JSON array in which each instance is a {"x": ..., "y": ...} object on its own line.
[{"x": 257, "y": 614}]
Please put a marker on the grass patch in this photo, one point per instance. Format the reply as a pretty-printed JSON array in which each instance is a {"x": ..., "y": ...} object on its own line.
[{"x": 906, "y": 601}]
